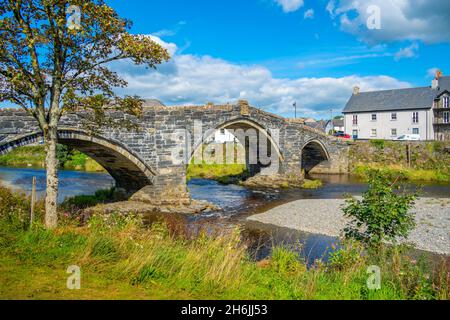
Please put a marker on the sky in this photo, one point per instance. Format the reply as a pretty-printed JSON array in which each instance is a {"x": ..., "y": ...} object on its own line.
[{"x": 277, "y": 52}]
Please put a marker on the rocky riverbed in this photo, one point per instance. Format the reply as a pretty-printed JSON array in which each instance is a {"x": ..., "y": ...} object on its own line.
[{"x": 324, "y": 216}]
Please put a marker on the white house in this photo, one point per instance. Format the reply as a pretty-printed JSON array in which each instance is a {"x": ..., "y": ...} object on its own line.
[
  {"x": 388, "y": 114},
  {"x": 222, "y": 136}
]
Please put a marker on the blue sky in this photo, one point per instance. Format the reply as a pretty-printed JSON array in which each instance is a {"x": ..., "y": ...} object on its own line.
[{"x": 275, "y": 52}]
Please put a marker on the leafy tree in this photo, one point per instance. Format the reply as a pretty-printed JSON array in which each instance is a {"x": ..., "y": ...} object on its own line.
[
  {"x": 54, "y": 57},
  {"x": 382, "y": 214}
]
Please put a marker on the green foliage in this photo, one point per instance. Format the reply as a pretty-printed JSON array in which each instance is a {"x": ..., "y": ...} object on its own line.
[
  {"x": 34, "y": 156},
  {"x": 85, "y": 201},
  {"x": 428, "y": 161},
  {"x": 402, "y": 172},
  {"x": 312, "y": 184},
  {"x": 382, "y": 214},
  {"x": 27, "y": 156},
  {"x": 224, "y": 173},
  {"x": 63, "y": 153},
  {"x": 120, "y": 258},
  {"x": 378, "y": 143}
]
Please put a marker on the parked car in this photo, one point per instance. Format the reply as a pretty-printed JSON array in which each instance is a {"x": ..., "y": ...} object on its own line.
[
  {"x": 409, "y": 137},
  {"x": 341, "y": 134}
]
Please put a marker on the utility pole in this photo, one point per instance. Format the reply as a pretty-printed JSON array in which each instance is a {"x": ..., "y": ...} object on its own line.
[{"x": 295, "y": 109}]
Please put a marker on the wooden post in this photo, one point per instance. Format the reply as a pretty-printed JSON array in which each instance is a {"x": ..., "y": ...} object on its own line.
[
  {"x": 408, "y": 153},
  {"x": 33, "y": 200}
]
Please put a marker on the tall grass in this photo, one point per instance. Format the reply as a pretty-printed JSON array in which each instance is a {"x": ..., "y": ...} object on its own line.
[
  {"x": 410, "y": 174},
  {"x": 121, "y": 258}
]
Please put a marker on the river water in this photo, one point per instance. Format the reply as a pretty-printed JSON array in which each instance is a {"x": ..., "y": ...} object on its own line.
[{"x": 237, "y": 203}]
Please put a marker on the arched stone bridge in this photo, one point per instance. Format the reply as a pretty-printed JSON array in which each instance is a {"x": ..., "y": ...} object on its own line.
[{"x": 144, "y": 158}]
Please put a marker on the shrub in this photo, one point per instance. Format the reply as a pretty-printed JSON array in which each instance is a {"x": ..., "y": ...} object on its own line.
[
  {"x": 381, "y": 215},
  {"x": 378, "y": 143}
]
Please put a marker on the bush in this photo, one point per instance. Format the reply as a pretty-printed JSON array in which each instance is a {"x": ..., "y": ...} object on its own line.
[
  {"x": 382, "y": 215},
  {"x": 378, "y": 143}
]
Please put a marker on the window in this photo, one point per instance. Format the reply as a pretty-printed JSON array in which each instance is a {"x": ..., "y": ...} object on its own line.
[
  {"x": 415, "y": 130},
  {"x": 394, "y": 132},
  {"x": 415, "y": 117},
  {"x": 373, "y": 133},
  {"x": 355, "y": 134},
  {"x": 394, "y": 116},
  {"x": 374, "y": 117},
  {"x": 446, "y": 102},
  {"x": 355, "y": 119},
  {"x": 447, "y": 117},
  {"x": 222, "y": 131}
]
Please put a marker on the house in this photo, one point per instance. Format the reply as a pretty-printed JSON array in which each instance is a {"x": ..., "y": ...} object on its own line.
[
  {"x": 319, "y": 125},
  {"x": 388, "y": 114},
  {"x": 334, "y": 125}
]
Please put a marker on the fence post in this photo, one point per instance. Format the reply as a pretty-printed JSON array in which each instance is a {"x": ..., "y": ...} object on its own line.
[{"x": 33, "y": 200}]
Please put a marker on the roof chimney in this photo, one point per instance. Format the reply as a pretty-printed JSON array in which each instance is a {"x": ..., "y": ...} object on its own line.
[
  {"x": 355, "y": 90},
  {"x": 435, "y": 82}
]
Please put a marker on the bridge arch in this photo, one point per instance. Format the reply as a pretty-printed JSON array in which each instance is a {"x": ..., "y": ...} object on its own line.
[
  {"x": 245, "y": 124},
  {"x": 128, "y": 170},
  {"x": 313, "y": 152}
]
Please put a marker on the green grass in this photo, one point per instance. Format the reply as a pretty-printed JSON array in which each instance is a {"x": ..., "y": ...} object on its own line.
[
  {"x": 119, "y": 258},
  {"x": 312, "y": 184},
  {"x": 34, "y": 157},
  {"x": 27, "y": 156},
  {"x": 409, "y": 174},
  {"x": 224, "y": 173}
]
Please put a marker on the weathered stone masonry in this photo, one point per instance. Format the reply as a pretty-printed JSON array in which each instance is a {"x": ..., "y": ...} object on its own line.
[{"x": 144, "y": 158}]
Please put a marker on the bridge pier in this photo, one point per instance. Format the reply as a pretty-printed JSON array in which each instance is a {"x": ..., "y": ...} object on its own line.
[{"x": 168, "y": 189}]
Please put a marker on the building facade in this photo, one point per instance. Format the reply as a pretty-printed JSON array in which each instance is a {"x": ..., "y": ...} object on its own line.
[{"x": 388, "y": 114}]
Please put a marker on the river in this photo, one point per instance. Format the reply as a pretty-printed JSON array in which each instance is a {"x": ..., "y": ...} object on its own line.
[{"x": 237, "y": 203}]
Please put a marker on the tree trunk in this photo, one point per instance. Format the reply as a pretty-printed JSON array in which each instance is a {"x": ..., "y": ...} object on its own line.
[{"x": 51, "y": 165}]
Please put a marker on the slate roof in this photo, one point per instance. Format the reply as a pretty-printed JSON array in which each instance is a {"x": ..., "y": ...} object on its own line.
[
  {"x": 153, "y": 103},
  {"x": 397, "y": 99},
  {"x": 338, "y": 122},
  {"x": 319, "y": 125}
]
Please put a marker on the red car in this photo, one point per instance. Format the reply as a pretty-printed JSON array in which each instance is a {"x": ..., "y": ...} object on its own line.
[{"x": 342, "y": 135}]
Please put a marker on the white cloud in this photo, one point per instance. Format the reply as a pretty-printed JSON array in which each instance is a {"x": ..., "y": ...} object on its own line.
[
  {"x": 290, "y": 5},
  {"x": 330, "y": 8},
  {"x": 408, "y": 52},
  {"x": 190, "y": 79},
  {"x": 309, "y": 14},
  {"x": 170, "y": 32},
  {"x": 427, "y": 21}
]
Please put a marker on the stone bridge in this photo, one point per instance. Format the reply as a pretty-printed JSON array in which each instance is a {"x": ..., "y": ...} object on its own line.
[{"x": 144, "y": 159}]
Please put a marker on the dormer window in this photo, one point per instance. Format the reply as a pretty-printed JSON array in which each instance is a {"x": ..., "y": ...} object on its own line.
[{"x": 445, "y": 102}]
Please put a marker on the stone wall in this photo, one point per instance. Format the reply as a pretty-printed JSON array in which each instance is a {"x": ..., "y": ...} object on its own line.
[
  {"x": 164, "y": 130},
  {"x": 422, "y": 155}
]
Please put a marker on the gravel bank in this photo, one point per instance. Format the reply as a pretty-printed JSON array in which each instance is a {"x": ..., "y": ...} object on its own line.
[{"x": 324, "y": 216}]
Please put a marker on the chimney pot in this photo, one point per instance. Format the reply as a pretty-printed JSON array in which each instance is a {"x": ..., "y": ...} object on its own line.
[
  {"x": 355, "y": 90},
  {"x": 435, "y": 82}
]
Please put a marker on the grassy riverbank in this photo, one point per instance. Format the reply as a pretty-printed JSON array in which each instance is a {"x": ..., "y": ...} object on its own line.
[
  {"x": 224, "y": 173},
  {"x": 121, "y": 259},
  {"x": 34, "y": 157},
  {"x": 409, "y": 174},
  {"x": 414, "y": 161}
]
